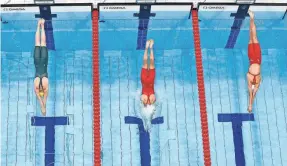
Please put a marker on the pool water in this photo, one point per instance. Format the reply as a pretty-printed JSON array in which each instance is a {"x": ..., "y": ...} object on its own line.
[
  {"x": 225, "y": 72},
  {"x": 175, "y": 138},
  {"x": 176, "y": 141},
  {"x": 70, "y": 95}
]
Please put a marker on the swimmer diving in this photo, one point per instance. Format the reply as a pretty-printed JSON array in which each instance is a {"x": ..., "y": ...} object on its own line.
[
  {"x": 147, "y": 80},
  {"x": 41, "y": 82},
  {"x": 254, "y": 55}
]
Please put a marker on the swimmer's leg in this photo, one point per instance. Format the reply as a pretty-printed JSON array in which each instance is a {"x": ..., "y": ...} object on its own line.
[
  {"x": 151, "y": 58},
  {"x": 144, "y": 99},
  {"x": 152, "y": 99},
  {"x": 37, "y": 35},
  {"x": 152, "y": 73},
  {"x": 252, "y": 29},
  {"x": 145, "y": 55},
  {"x": 43, "y": 34}
]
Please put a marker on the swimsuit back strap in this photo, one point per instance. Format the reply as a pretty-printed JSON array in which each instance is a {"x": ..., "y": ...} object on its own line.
[{"x": 254, "y": 77}]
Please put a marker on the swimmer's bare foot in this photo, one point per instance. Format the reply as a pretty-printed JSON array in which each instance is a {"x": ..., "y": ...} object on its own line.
[
  {"x": 251, "y": 14},
  {"x": 39, "y": 22},
  {"x": 249, "y": 109},
  {"x": 147, "y": 44},
  {"x": 42, "y": 22},
  {"x": 151, "y": 43}
]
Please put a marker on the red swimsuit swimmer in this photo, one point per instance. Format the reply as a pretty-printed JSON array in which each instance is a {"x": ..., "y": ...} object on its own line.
[
  {"x": 254, "y": 54},
  {"x": 147, "y": 80}
]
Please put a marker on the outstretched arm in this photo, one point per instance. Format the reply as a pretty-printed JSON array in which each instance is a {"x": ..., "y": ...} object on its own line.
[
  {"x": 40, "y": 100},
  {"x": 45, "y": 97},
  {"x": 250, "y": 90},
  {"x": 256, "y": 86},
  {"x": 252, "y": 93},
  {"x": 250, "y": 96}
]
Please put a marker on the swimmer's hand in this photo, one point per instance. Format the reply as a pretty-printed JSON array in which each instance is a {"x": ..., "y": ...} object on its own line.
[
  {"x": 249, "y": 109},
  {"x": 43, "y": 110}
]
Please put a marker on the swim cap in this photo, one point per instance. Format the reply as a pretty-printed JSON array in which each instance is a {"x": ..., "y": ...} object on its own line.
[{"x": 41, "y": 93}]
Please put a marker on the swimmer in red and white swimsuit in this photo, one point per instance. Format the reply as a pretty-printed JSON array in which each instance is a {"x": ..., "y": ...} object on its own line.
[
  {"x": 254, "y": 54},
  {"x": 148, "y": 76}
]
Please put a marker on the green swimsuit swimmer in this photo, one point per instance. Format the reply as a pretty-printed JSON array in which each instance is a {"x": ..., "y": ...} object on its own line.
[{"x": 41, "y": 62}]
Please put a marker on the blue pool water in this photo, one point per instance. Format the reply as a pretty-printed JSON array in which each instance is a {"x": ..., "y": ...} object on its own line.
[
  {"x": 175, "y": 138},
  {"x": 70, "y": 94},
  {"x": 225, "y": 71},
  {"x": 177, "y": 141}
]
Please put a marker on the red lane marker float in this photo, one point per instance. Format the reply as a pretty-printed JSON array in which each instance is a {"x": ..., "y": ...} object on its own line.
[
  {"x": 201, "y": 89},
  {"x": 96, "y": 90}
]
